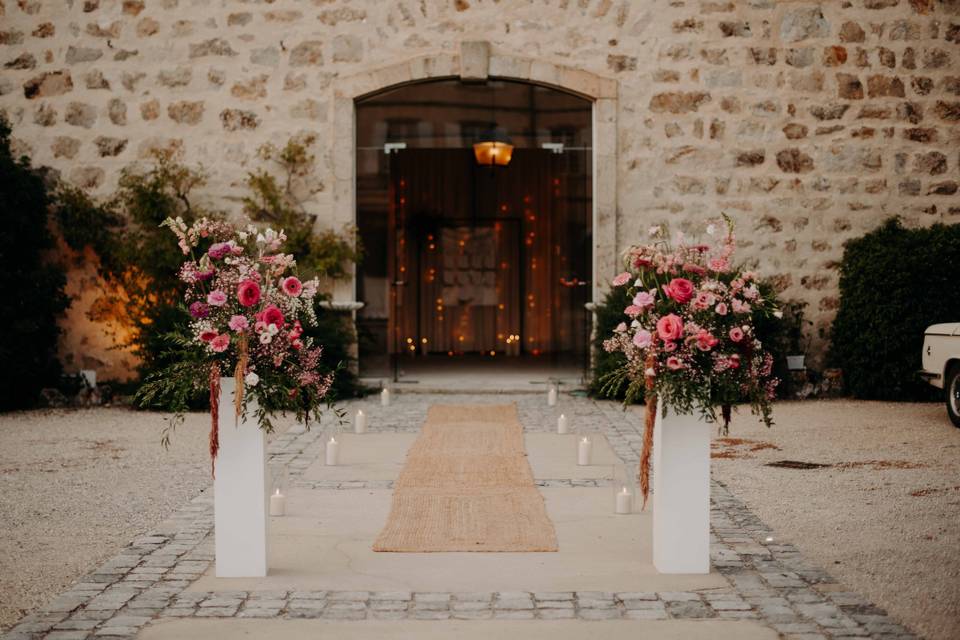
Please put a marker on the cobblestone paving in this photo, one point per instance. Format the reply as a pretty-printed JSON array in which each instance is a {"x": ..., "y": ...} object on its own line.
[{"x": 769, "y": 581}]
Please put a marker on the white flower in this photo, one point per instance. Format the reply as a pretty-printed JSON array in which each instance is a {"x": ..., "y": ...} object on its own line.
[
  {"x": 638, "y": 283},
  {"x": 272, "y": 329},
  {"x": 265, "y": 338},
  {"x": 649, "y": 372},
  {"x": 251, "y": 379},
  {"x": 635, "y": 324},
  {"x": 654, "y": 230},
  {"x": 711, "y": 229},
  {"x": 778, "y": 314}
]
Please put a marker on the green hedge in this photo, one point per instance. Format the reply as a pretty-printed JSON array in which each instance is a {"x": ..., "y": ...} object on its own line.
[
  {"x": 32, "y": 281},
  {"x": 894, "y": 283}
]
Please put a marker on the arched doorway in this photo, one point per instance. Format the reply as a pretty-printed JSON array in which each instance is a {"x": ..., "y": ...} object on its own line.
[{"x": 482, "y": 266}]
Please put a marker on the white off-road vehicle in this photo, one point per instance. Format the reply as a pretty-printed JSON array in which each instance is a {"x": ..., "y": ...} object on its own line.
[{"x": 941, "y": 363}]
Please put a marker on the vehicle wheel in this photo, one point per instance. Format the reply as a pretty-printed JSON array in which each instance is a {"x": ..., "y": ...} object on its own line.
[{"x": 952, "y": 386}]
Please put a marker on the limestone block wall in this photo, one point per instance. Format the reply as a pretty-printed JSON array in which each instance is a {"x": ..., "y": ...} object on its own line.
[{"x": 808, "y": 122}]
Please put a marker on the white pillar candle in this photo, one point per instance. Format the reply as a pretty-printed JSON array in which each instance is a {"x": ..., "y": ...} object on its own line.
[
  {"x": 385, "y": 397},
  {"x": 360, "y": 422},
  {"x": 333, "y": 452},
  {"x": 552, "y": 397},
  {"x": 623, "y": 501},
  {"x": 583, "y": 452},
  {"x": 563, "y": 425},
  {"x": 278, "y": 504}
]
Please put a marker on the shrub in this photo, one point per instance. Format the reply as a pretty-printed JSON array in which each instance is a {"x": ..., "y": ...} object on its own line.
[
  {"x": 894, "y": 283},
  {"x": 32, "y": 283}
]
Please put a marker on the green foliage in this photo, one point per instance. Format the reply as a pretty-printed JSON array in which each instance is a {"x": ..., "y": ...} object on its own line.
[
  {"x": 327, "y": 254},
  {"x": 137, "y": 260},
  {"x": 894, "y": 283},
  {"x": 32, "y": 283},
  {"x": 609, "y": 313}
]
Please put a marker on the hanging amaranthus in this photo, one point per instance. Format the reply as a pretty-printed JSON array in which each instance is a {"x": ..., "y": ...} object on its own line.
[
  {"x": 214, "y": 416},
  {"x": 239, "y": 372},
  {"x": 649, "y": 421}
]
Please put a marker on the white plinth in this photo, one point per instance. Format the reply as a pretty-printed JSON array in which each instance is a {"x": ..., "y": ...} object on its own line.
[
  {"x": 681, "y": 494},
  {"x": 240, "y": 493}
]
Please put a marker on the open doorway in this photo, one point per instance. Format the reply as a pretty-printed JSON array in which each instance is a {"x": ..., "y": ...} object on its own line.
[{"x": 473, "y": 266}]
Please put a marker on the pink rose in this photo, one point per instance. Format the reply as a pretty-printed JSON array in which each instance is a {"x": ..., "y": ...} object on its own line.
[
  {"x": 736, "y": 334},
  {"x": 642, "y": 338},
  {"x": 238, "y": 323},
  {"x": 680, "y": 289},
  {"x": 669, "y": 327},
  {"x": 721, "y": 309},
  {"x": 643, "y": 299},
  {"x": 207, "y": 335},
  {"x": 622, "y": 279},
  {"x": 292, "y": 286},
  {"x": 216, "y": 298},
  {"x": 674, "y": 363},
  {"x": 220, "y": 343},
  {"x": 248, "y": 293}
]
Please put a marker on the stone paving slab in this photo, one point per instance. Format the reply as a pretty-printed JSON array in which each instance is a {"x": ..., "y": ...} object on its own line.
[{"x": 770, "y": 583}]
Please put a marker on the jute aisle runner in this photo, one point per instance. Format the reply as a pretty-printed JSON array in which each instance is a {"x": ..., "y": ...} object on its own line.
[{"x": 467, "y": 486}]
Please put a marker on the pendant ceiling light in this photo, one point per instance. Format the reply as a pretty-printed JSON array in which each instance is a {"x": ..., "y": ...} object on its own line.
[{"x": 494, "y": 148}]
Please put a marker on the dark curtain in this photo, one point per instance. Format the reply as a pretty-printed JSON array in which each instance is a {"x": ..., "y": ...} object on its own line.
[{"x": 483, "y": 254}]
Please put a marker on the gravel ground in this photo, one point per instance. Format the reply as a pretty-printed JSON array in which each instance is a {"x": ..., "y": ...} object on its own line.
[
  {"x": 884, "y": 518},
  {"x": 76, "y": 486}
]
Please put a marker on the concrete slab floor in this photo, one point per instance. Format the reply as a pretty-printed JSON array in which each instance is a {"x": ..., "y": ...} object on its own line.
[
  {"x": 230, "y": 628},
  {"x": 324, "y": 542}
]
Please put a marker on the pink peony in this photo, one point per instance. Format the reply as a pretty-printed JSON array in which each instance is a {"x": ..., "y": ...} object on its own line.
[
  {"x": 669, "y": 327},
  {"x": 207, "y": 335},
  {"x": 642, "y": 338},
  {"x": 721, "y": 309},
  {"x": 221, "y": 343},
  {"x": 622, "y": 279},
  {"x": 705, "y": 340},
  {"x": 292, "y": 286},
  {"x": 248, "y": 293},
  {"x": 674, "y": 363},
  {"x": 643, "y": 299},
  {"x": 736, "y": 334},
  {"x": 217, "y": 298},
  {"x": 238, "y": 323},
  {"x": 680, "y": 289}
]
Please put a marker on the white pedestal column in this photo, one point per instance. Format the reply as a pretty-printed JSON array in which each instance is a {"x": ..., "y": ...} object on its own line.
[
  {"x": 240, "y": 493},
  {"x": 681, "y": 494}
]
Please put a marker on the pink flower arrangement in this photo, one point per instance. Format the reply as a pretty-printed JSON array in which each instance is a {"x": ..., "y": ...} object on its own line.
[
  {"x": 249, "y": 309},
  {"x": 694, "y": 347}
]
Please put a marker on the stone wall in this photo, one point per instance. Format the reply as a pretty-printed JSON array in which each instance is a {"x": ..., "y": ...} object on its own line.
[{"x": 808, "y": 122}]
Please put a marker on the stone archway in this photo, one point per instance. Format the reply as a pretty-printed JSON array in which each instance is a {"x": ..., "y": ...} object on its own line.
[{"x": 477, "y": 61}]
